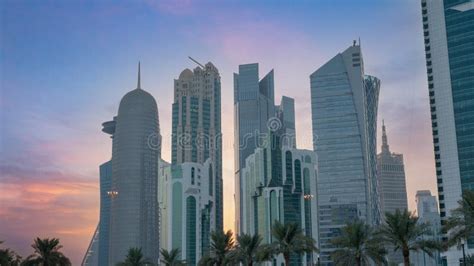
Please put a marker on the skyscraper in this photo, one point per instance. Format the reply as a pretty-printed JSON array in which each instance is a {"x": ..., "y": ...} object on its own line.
[
  {"x": 342, "y": 122},
  {"x": 427, "y": 210},
  {"x": 104, "y": 229},
  {"x": 285, "y": 112},
  {"x": 136, "y": 149},
  {"x": 196, "y": 125},
  {"x": 372, "y": 91},
  {"x": 286, "y": 194},
  {"x": 98, "y": 251},
  {"x": 254, "y": 105},
  {"x": 391, "y": 186},
  {"x": 391, "y": 178},
  {"x": 279, "y": 183},
  {"x": 448, "y": 28}
]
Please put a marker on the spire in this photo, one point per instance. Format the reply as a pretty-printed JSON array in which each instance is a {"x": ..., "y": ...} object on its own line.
[
  {"x": 385, "y": 147},
  {"x": 138, "y": 82}
]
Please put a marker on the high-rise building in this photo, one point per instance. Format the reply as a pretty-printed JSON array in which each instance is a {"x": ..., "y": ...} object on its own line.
[
  {"x": 284, "y": 194},
  {"x": 391, "y": 186},
  {"x": 448, "y": 28},
  {"x": 427, "y": 210},
  {"x": 285, "y": 112},
  {"x": 254, "y": 105},
  {"x": 105, "y": 187},
  {"x": 279, "y": 183},
  {"x": 196, "y": 125},
  {"x": 187, "y": 200},
  {"x": 98, "y": 251},
  {"x": 343, "y": 117},
  {"x": 391, "y": 178},
  {"x": 136, "y": 149},
  {"x": 372, "y": 91},
  {"x": 91, "y": 257}
]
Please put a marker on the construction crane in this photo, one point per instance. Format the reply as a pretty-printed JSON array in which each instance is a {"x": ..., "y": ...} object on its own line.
[{"x": 192, "y": 59}]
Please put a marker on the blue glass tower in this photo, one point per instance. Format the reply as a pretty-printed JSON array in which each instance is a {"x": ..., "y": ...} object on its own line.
[
  {"x": 254, "y": 104},
  {"x": 344, "y": 104}
]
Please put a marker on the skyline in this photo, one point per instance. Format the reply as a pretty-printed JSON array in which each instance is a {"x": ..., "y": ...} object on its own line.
[{"x": 51, "y": 120}]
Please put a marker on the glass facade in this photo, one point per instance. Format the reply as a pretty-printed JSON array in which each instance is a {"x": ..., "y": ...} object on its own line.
[
  {"x": 460, "y": 37},
  {"x": 268, "y": 197},
  {"x": 253, "y": 106},
  {"x": 191, "y": 230},
  {"x": 448, "y": 30},
  {"x": 105, "y": 189},
  {"x": 136, "y": 151},
  {"x": 372, "y": 90},
  {"x": 343, "y": 115}
]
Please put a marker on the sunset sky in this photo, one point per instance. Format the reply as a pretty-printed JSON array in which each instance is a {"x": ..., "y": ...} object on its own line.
[{"x": 64, "y": 66}]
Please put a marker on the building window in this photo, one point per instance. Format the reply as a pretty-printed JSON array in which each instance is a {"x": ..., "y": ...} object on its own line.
[
  {"x": 190, "y": 230},
  {"x": 289, "y": 165}
]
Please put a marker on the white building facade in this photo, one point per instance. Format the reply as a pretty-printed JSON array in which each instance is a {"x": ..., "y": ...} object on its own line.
[{"x": 186, "y": 201}]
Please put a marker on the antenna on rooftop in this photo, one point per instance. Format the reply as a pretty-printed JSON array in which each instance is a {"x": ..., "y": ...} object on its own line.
[{"x": 192, "y": 59}]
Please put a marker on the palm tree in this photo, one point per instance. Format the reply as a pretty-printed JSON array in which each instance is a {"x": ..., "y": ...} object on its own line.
[
  {"x": 47, "y": 253},
  {"x": 402, "y": 230},
  {"x": 358, "y": 245},
  {"x": 135, "y": 258},
  {"x": 9, "y": 257},
  {"x": 171, "y": 258},
  {"x": 249, "y": 249},
  {"x": 460, "y": 225},
  {"x": 289, "y": 238},
  {"x": 221, "y": 245},
  {"x": 470, "y": 260}
]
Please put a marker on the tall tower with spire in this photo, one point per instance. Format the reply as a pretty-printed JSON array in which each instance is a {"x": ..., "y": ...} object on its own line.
[
  {"x": 136, "y": 149},
  {"x": 390, "y": 178},
  {"x": 391, "y": 184}
]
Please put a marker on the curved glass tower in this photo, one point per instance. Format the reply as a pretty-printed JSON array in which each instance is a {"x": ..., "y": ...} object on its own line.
[
  {"x": 344, "y": 104},
  {"x": 136, "y": 150}
]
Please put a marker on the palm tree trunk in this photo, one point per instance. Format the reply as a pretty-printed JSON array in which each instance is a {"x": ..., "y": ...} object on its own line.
[
  {"x": 358, "y": 261},
  {"x": 287, "y": 259},
  {"x": 406, "y": 257}
]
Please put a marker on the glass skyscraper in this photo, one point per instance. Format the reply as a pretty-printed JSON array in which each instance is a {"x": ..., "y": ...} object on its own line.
[
  {"x": 279, "y": 183},
  {"x": 448, "y": 28},
  {"x": 129, "y": 213},
  {"x": 136, "y": 149},
  {"x": 344, "y": 109},
  {"x": 254, "y": 105},
  {"x": 104, "y": 230}
]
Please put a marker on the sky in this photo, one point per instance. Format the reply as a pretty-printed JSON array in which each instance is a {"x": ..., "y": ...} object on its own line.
[{"x": 64, "y": 66}]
